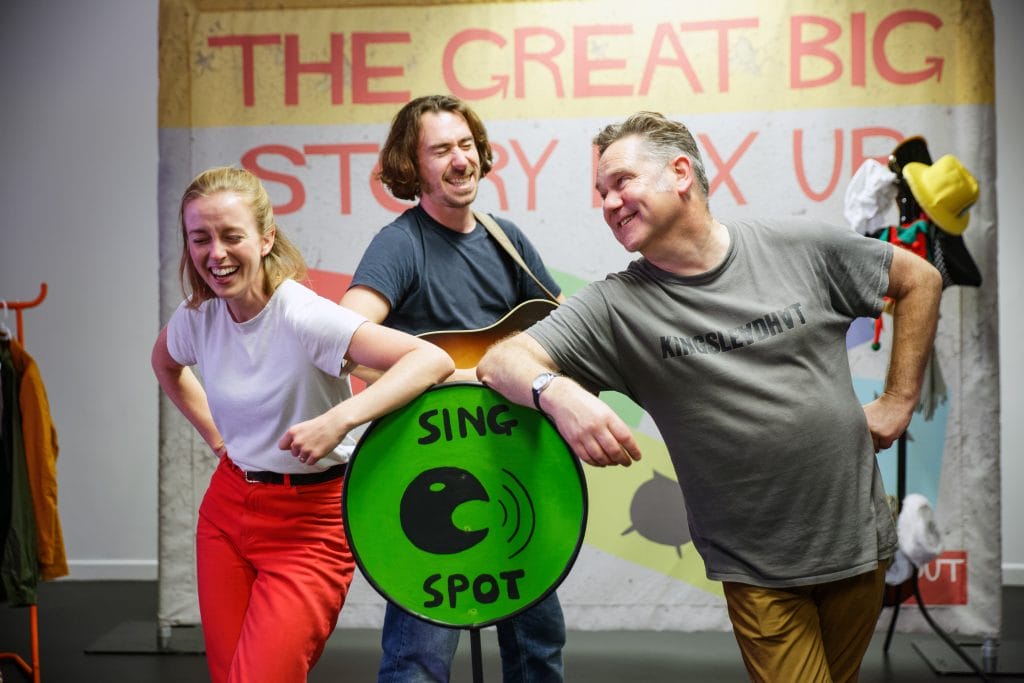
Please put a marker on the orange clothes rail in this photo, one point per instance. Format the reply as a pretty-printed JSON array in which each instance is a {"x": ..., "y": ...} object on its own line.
[{"x": 33, "y": 612}]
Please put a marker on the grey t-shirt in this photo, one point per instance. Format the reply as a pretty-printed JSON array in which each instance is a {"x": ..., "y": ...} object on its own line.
[{"x": 744, "y": 369}]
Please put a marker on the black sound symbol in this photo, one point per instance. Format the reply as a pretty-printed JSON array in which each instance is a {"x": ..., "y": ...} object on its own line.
[{"x": 519, "y": 517}]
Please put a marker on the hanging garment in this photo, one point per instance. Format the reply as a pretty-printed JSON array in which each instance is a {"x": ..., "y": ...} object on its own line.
[
  {"x": 8, "y": 394},
  {"x": 19, "y": 569},
  {"x": 947, "y": 252},
  {"x": 40, "y": 440}
]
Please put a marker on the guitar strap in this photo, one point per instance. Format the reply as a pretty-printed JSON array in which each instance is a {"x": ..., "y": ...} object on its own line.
[{"x": 495, "y": 231}]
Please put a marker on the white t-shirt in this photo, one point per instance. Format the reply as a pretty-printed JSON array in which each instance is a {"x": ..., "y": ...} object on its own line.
[{"x": 262, "y": 376}]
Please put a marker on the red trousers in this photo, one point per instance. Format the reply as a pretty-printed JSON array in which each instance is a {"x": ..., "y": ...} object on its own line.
[{"x": 273, "y": 570}]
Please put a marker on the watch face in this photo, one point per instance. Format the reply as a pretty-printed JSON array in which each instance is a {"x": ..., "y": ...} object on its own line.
[{"x": 543, "y": 380}]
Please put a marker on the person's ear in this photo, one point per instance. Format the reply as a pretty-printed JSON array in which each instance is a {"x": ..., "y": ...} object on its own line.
[
  {"x": 683, "y": 168},
  {"x": 268, "y": 240}
]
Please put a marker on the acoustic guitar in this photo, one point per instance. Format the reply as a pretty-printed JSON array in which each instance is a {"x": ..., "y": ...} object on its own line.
[{"x": 467, "y": 347}]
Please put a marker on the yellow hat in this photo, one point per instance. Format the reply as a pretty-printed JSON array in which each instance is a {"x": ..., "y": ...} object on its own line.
[{"x": 945, "y": 190}]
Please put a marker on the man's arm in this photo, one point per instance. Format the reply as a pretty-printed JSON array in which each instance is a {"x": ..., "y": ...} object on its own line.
[
  {"x": 367, "y": 302},
  {"x": 373, "y": 305},
  {"x": 593, "y": 431},
  {"x": 916, "y": 288}
]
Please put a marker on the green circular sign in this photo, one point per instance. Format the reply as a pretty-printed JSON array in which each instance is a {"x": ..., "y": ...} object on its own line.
[{"x": 464, "y": 508}]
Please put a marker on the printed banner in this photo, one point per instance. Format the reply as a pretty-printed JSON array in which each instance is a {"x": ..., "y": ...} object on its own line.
[{"x": 787, "y": 100}]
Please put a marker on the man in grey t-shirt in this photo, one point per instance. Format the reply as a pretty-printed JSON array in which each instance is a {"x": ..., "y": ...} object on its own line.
[{"x": 733, "y": 340}]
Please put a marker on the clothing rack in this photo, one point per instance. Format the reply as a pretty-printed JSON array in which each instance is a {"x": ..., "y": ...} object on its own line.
[
  {"x": 897, "y": 594},
  {"x": 33, "y": 612},
  {"x": 910, "y": 210}
]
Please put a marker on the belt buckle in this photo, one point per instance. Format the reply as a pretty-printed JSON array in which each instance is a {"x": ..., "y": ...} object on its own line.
[{"x": 247, "y": 477}]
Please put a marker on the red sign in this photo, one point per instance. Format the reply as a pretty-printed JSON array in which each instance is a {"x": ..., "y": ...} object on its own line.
[{"x": 943, "y": 581}]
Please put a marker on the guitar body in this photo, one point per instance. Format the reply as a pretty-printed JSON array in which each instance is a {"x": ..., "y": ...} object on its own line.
[{"x": 467, "y": 347}]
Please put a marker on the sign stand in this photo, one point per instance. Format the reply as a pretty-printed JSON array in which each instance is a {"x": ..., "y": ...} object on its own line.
[{"x": 474, "y": 650}]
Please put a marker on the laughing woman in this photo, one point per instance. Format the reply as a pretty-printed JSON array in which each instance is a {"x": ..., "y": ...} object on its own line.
[{"x": 275, "y": 406}]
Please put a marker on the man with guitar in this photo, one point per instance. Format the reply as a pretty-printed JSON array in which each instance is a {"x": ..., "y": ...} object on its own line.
[{"x": 438, "y": 268}]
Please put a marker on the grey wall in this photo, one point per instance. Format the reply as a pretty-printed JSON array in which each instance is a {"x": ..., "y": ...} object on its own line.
[
  {"x": 78, "y": 174},
  {"x": 1009, "y": 20}
]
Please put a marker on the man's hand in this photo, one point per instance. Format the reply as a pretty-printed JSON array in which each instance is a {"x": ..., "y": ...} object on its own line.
[
  {"x": 593, "y": 431},
  {"x": 888, "y": 417}
]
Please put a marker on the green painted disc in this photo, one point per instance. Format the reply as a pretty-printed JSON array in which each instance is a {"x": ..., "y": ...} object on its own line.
[{"x": 464, "y": 508}]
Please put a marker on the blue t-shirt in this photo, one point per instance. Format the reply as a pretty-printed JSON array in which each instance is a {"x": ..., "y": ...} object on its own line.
[{"x": 438, "y": 279}]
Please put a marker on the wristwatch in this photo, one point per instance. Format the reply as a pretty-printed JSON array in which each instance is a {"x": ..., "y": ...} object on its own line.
[{"x": 540, "y": 384}]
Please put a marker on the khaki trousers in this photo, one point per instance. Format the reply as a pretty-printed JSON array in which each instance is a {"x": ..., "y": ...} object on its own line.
[{"x": 807, "y": 634}]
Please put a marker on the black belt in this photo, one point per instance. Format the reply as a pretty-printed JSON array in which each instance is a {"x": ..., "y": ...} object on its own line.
[{"x": 294, "y": 479}]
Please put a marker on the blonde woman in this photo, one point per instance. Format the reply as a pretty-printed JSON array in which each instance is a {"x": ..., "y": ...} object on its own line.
[{"x": 275, "y": 406}]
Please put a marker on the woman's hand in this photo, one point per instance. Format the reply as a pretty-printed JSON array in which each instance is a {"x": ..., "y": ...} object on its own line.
[{"x": 313, "y": 439}]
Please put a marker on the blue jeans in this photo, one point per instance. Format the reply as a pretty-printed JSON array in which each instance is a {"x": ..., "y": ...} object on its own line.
[{"x": 530, "y": 643}]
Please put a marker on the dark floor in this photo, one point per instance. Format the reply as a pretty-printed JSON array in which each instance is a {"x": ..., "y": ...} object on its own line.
[{"x": 81, "y": 622}]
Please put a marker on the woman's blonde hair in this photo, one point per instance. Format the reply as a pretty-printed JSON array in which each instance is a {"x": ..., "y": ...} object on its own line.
[{"x": 282, "y": 262}]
